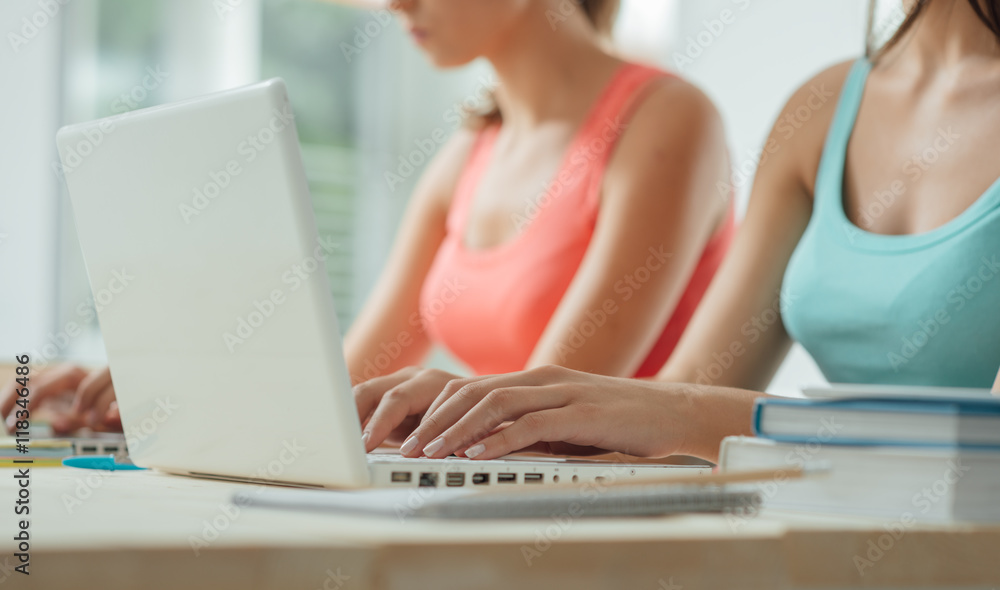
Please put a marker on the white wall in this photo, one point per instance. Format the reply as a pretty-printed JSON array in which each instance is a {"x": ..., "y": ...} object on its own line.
[
  {"x": 770, "y": 48},
  {"x": 749, "y": 56},
  {"x": 29, "y": 111},
  {"x": 766, "y": 49}
]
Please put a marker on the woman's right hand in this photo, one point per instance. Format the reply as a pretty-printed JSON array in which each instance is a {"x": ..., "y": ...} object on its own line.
[
  {"x": 72, "y": 396},
  {"x": 390, "y": 407}
]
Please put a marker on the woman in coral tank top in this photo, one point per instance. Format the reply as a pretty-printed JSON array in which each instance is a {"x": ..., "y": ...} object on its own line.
[
  {"x": 889, "y": 290},
  {"x": 577, "y": 224}
]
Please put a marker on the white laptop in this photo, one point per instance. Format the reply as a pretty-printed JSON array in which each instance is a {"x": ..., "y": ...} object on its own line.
[{"x": 197, "y": 229}]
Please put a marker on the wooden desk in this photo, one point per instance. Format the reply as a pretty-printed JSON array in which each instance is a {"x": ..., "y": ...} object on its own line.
[{"x": 134, "y": 530}]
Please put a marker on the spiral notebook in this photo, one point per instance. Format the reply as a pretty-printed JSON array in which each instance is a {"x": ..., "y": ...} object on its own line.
[{"x": 586, "y": 501}]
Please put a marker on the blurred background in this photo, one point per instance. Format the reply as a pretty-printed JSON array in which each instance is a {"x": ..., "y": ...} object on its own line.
[{"x": 364, "y": 98}]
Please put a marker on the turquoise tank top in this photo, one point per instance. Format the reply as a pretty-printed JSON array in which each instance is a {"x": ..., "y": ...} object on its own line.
[{"x": 921, "y": 309}]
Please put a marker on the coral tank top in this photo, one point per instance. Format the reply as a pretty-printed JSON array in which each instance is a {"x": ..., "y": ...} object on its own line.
[{"x": 490, "y": 307}]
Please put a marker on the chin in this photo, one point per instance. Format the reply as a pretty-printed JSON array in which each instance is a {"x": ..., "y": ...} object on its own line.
[
  {"x": 450, "y": 63},
  {"x": 444, "y": 61}
]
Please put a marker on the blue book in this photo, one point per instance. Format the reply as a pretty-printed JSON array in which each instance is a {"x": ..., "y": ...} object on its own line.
[{"x": 893, "y": 420}]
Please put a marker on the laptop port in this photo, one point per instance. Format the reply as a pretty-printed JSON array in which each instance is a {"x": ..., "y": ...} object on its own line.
[
  {"x": 428, "y": 480},
  {"x": 89, "y": 449},
  {"x": 455, "y": 480},
  {"x": 401, "y": 476},
  {"x": 480, "y": 479},
  {"x": 533, "y": 478},
  {"x": 111, "y": 449},
  {"x": 506, "y": 478}
]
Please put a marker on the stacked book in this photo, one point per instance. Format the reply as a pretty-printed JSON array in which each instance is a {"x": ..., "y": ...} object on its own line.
[{"x": 907, "y": 454}]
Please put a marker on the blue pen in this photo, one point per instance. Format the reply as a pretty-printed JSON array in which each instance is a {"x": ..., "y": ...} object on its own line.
[{"x": 105, "y": 462}]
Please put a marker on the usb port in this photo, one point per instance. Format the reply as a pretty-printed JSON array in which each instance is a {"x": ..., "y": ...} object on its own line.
[
  {"x": 428, "y": 480},
  {"x": 533, "y": 478},
  {"x": 506, "y": 478},
  {"x": 401, "y": 476},
  {"x": 480, "y": 479},
  {"x": 89, "y": 449},
  {"x": 111, "y": 449},
  {"x": 455, "y": 480}
]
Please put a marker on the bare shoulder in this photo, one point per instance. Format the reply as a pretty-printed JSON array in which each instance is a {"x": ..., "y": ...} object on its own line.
[
  {"x": 440, "y": 179},
  {"x": 801, "y": 127},
  {"x": 675, "y": 134},
  {"x": 675, "y": 112},
  {"x": 674, "y": 118}
]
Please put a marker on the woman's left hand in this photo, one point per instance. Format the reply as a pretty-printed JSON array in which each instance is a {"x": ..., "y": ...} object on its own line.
[{"x": 554, "y": 409}]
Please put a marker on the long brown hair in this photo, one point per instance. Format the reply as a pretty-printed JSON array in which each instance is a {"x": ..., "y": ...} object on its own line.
[
  {"x": 600, "y": 13},
  {"x": 988, "y": 11}
]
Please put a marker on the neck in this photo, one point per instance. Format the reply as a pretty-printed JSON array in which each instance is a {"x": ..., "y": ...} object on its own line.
[
  {"x": 539, "y": 65},
  {"x": 946, "y": 33}
]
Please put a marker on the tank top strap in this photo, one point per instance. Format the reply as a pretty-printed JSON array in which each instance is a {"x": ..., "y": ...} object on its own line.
[
  {"x": 828, "y": 192},
  {"x": 589, "y": 151},
  {"x": 608, "y": 121}
]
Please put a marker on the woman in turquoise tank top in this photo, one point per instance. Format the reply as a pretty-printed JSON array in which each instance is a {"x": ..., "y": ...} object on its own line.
[{"x": 872, "y": 237}]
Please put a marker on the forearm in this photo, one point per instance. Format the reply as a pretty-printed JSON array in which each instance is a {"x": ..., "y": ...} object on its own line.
[
  {"x": 373, "y": 350},
  {"x": 711, "y": 413}
]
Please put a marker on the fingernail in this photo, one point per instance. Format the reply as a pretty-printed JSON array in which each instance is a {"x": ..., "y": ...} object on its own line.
[
  {"x": 364, "y": 439},
  {"x": 435, "y": 446},
  {"x": 410, "y": 444},
  {"x": 475, "y": 450}
]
